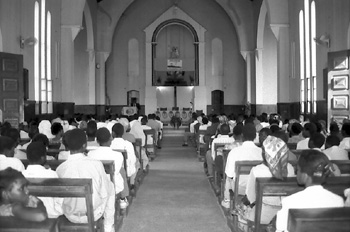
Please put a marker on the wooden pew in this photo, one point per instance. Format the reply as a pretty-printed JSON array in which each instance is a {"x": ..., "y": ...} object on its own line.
[
  {"x": 150, "y": 133},
  {"x": 319, "y": 220},
  {"x": 138, "y": 148},
  {"x": 13, "y": 224},
  {"x": 217, "y": 177},
  {"x": 49, "y": 152},
  {"x": 107, "y": 164},
  {"x": 275, "y": 187},
  {"x": 67, "y": 187}
]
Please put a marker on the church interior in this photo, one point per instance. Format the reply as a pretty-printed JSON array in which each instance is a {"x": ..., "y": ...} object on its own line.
[{"x": 173, "y": 58}]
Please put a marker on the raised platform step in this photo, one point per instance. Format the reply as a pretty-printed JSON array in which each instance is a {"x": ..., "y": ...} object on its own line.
[{"x": 171, "y": 131}]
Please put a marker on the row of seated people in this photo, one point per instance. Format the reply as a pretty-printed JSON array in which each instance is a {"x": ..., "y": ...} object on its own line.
[
  {"x": 243, "y": 148},
  {"x": 78, "y": 165}
]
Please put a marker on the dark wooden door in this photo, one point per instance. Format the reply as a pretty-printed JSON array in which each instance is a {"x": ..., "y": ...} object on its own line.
[
  {"x": 217, "y": 101},
  {"x": 11, "y": 86},
  {"x": 338, "y": 86}
]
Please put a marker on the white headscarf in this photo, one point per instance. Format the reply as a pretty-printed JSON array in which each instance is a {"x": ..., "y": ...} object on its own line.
[
  {"x": 45, "y": 128},
  {"x": 137, "y": 131}
]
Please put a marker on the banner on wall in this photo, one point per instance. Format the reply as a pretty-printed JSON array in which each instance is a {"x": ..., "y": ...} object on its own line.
[{"x": 174, "y": 64}]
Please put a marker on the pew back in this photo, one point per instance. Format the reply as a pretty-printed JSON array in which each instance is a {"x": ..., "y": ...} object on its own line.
[
  {"x": 319, "y": 220},
  {"x": 275, "y": 187},
  {"x": 66, "y": 187}
]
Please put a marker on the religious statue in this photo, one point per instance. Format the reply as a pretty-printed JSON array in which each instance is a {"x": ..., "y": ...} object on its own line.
[{"x": 174, "y": 53}]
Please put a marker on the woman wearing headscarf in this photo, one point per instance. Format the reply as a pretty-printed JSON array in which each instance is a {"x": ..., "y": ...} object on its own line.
[
  {"x": 275, "y": 164},
  {"x": 45, "y": 128}
]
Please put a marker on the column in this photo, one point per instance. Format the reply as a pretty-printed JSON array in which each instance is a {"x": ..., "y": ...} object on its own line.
[
  {"x": 91, "y": 77},
  {"x": 249, "y": 57},
  {"x": 281, "y": 32},
  {"x": 100, "y": 66}
]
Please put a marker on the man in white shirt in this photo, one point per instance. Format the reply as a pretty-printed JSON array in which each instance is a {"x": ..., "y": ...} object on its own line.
[
  {"x": 78, "y": 165},
  {"x": 104, "y": 152},
  {"x": 36, "y": 153},
  {"x": 118, "y": 143},
  {"x": 313, "y": 169},
  {"x": 248, "y": 151},
  {"x": 7, "y": 151},
  {"x": 191, "y": 133},
  {"x": 222, "y": 138},
  {"x": 332, "y": 151}
]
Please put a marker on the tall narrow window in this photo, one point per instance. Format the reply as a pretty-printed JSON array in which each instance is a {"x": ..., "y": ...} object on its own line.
[
  {"x": 308, "y": 84},
  {"x": 42, "y": 57}
]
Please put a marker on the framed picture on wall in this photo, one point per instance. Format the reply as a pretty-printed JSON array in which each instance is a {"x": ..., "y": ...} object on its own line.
[
  {"x": 340, "y": 102},
  {"x": 340, "y": 82}
]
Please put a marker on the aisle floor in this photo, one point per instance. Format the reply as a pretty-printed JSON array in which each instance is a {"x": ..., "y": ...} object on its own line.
[{"x": 175, "y": 195}]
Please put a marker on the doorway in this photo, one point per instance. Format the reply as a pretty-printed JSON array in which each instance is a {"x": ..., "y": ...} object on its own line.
[{"x": 217, "y": 101}]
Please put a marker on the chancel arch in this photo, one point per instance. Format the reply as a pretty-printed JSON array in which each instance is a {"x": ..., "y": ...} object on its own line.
[{"x": 174, "y": 18}]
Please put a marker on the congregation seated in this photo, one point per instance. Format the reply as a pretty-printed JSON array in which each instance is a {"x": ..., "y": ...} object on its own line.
[
  {"x": 247, "y": 151},
  {"x": 190, "y": 135},
  {"x": 345, "y": 132},
  {"x": 57, "y": 132},
  {"x": 91, "y": 134},
  {"x": 36, "y": 154},
  {"x": 308, "y": 130},
  {"x": 80, "y": 166},
  {"x": 332, "y": 149}
]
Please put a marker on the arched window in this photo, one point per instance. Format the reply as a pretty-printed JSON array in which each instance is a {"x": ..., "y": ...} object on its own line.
[
  {"x": 42, "y": 58},
  {"x": 308, "y": 80}
]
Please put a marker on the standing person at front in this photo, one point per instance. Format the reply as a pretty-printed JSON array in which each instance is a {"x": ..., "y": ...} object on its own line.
[{"x": 78, "y": 165}]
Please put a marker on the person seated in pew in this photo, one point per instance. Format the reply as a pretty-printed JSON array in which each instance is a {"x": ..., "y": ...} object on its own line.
[
  {"x": 36, "y": 153},
  {"x": 137, "y": 131},
  {"x": 275, "y": 164},
  {"x": 316, "y": 142},
  {"x": 118, "y": 143},
  {"x": 295, "y": 133},
  {"x": 127, "y": 135},
  {"x": 13, "y": 133},
  {"x": 144, "y": 126},
  {"x": 345, "y": 132},
  {"x": 15, "y": 199},
  {"x": 7, "y": 151},
  {"x": 33, "y": 130},
  {"x": 43, "y": 139},
  {"x": 309, "y": 129},
  {"x": 332, "y": 150},
  {"x": 223, "y": 137},
  {"x": 313, "y": 168},
  {"x": 63, "y": 155},
  {"x": 104, "y": 152},
  {"x": 247, "y": 151},
  {"x": 78, "y": 165},
  {"x": 57, "y": 132},
  {"x": 91, "y": 134},
  {"x": 204, "y": 127}
]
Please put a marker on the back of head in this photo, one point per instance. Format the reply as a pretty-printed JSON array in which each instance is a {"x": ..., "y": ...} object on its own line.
[
  {"x": 315, "y": 164},
  {"x": 36, "y": 152},
  {"x": 103, "y": 135},
  {"x": 281, "y": 135},
  {"x": 316, "y": 140},
  {"x": 238, "y": 130},
  {"x": 91, "y": 128},
  {"x": 205, "y": 121},
  {"x": 249, "y": 132},
  {"x": 7, "y": 177},
  {"x": 41, "y": 138},
  {"x": 309, "y": 129},
  {"x": 274, "y": 128},
  {"x": 56, "y": 128},
  {"x": 125, "y": 123},
  {"x": 215, "y": 119},
  {"x": 144, "y": 120},
  {"x": 224, "y": 129},
  {"x": 332, "y": 140},
  {"x": 118, "y": 130},
  {"x": 334, "y": 128},
  {"x": 263, "y": 133},
  {"x": 33, "y": 130},
  {"x": 65, "y": 139},
  {"x": 296, "y": 128},
  {"x": 76, "y": 139},
  {"x": 6, "y": 143},
  {"x": 13, "y": 133},
  {"x": 346, "y": 130}
]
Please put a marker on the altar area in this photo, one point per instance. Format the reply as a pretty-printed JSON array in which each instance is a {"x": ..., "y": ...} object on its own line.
[{"x": 165, "y": 114}]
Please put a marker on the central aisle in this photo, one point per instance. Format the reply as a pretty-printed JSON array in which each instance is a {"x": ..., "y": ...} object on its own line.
[{"x": 175, "y": 195}]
